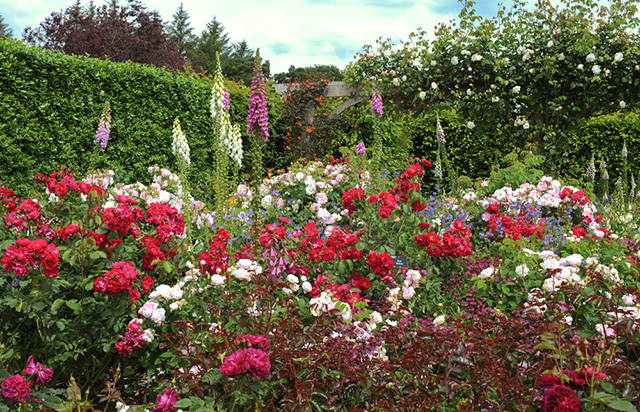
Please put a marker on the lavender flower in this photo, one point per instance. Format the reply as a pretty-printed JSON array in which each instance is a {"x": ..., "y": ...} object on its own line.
[
  {"x": 360, "y": 149},
  {"x": 257, "y": 121},
  {"x": 102, "y": 134},
  {"x": 376, "y": 104}
]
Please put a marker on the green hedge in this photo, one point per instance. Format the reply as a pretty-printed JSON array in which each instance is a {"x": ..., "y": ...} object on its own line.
[{"x": 51, "y": 104}]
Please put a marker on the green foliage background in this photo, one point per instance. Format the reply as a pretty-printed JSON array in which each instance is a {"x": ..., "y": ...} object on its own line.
[
  {"x": 51, "y": 103},
  {"x": 50, "y": 107}
]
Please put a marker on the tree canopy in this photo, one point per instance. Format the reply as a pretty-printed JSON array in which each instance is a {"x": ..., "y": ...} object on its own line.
[
  {"x": 5, "y": 30},
  {"x": 525, "y": 75},
  {"x": 119, "y": 33},
  {"x": 329, "y": 72}
]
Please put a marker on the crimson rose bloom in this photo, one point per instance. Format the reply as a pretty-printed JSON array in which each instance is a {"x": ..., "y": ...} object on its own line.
[
  {"x": 256, "y": 341},
  {"x": 16, "y": 389},
  {"x": 50, "y": 266},
  {"x": 259, "y": 363},
  {"x": 235, "y": 364},
  {"x": 251, "y": 360},
  {"x": 559, "y": 398},
  {"x": 166, "y": 401}
]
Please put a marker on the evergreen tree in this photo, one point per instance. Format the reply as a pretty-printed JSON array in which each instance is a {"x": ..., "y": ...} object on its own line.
[
  {"x": 5, "y": 30},
  {"x": 212, "y": 40},
  {"x": 239, "y": 65},
  {"x": 181, "y": 31}
]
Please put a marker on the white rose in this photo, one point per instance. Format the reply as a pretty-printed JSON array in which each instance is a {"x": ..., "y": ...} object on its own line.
[
  {"x": 516, "y": 89},
  {"x": 439, "y": 320},
  {"x": 217, "y": 280},
  {"x": 422, "y": 95},
  {"x": 623, "y": 104},
  {"x": 580, "y": 66},
  {"x": 306, "y": 286},
  {"x": 596, "y": 69},
  {"x": 591, "y": 58},
  {"x": 434, "y": 85},
  {"x": 486, "y": 273},
  {"x": 158, "y": 316},
  {"x": 522, "y": 270},
  {"x": 148, "y": 308},
  {"x": 618, "y": 57},
  {"x": 471, "y": 124},
  {"x": 454, "y": 60}
]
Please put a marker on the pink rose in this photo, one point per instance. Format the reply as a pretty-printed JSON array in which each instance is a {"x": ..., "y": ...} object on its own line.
[
  {"x": 235, "y": 364},
  {"x": 166, "y": 401},
  {"x": 259, "y": 363},
  {"x": 255, "y": 341}
]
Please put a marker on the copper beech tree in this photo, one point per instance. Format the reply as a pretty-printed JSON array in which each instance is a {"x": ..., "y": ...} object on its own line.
[{"x": 118, "y": 33}]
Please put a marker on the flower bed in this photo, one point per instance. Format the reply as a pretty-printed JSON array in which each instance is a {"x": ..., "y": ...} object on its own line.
[{"x": 341, "y": 292}]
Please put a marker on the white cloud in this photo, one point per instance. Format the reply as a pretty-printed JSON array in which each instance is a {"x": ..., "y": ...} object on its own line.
[{"x": 300, "y": 33}]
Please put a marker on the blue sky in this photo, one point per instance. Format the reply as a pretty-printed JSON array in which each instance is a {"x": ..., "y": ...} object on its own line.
[{"x": 288, "y": 32}]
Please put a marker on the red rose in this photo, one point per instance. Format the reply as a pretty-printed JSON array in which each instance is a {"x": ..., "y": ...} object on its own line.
[
  {"x": 327, "y": 255},
  {"x": 134, "y": 295},
  {"x": 38, "y": 246},
  {"x": 577, "y": 195},
  {"x": 61, "y": 189},
  {"x": 385, "y": 212},
  {"x": 559, "y": 398},
  {"x": 549, "y": 380},
  {"x": 418, "y": 206},
  {"x": 99, "y": 285},
  {"x": 493, "y": 208},
  {"x": 16, "y": 389},
  {"x": 146, "y": 284},
  {"x": 50, "y": 266}
]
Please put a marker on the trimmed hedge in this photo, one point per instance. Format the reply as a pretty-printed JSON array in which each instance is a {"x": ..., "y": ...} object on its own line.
[{"x": 51, "y": 104}]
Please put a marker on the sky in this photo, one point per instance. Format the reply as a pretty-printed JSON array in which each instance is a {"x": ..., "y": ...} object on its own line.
[{"x": 288, "y": 32}]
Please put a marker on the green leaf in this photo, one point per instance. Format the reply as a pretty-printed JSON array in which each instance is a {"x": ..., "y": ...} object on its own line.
[
  {"x": 183, "y": 403},
  {"x": 620, "y": 405},
  {"x": 544, "y": 345},
  {"x": 213, "y": 375}
]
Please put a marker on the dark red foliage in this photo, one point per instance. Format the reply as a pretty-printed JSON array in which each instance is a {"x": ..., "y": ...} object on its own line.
[{"x": 119, "y": 33}]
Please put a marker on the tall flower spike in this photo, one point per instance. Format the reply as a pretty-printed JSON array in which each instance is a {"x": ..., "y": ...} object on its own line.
[
  {"x": 440, "y": 133},
  {"x": 257, "y": 120},
  {"x": 218, "y": 93},
  {"x": 591, "y": 170},
  {"x": 376, "y": 104},
  {"x": 102, "y": 134},
  {"x": 180, "y": 146},
  {"x": 624, "y": 150}
]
